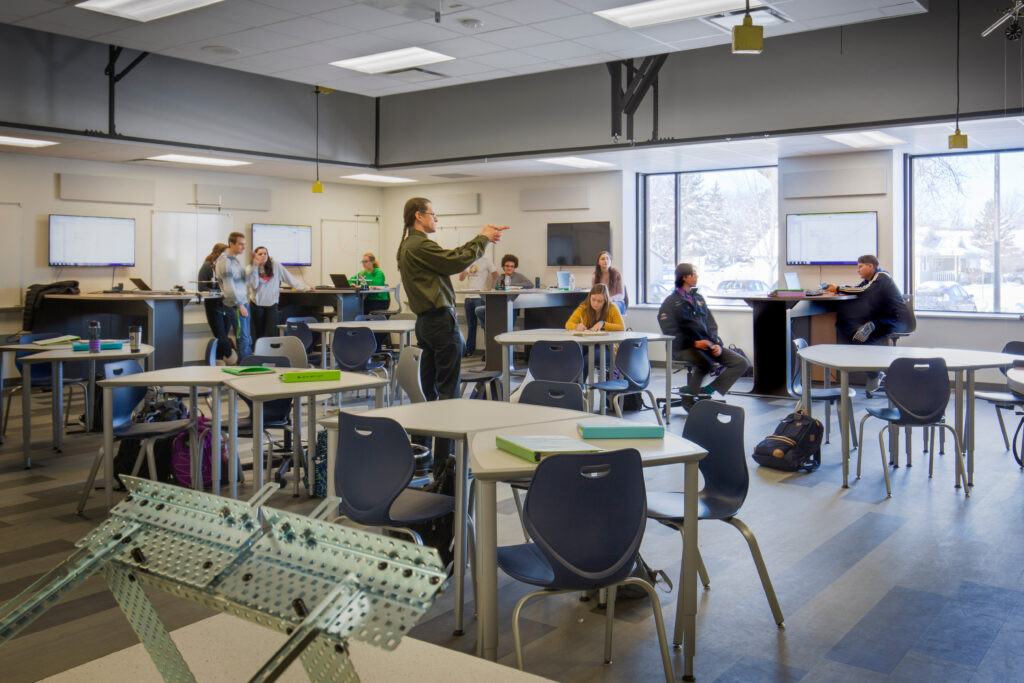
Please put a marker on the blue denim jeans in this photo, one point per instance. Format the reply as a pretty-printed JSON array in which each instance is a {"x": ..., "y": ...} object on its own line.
[
  {"x": 471, "y": 320},
  {"x": 242, "y": 337}
]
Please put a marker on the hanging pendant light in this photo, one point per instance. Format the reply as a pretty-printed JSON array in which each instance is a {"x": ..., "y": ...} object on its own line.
[
  {"x": 747, "y": 39},
  {"x": 318, "y": 187},
  {"x": 958, "y": 140}
]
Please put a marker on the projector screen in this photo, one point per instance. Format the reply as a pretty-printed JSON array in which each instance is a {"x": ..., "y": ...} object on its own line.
[
  {"x": 91, "y": 241},
  {"x": 830, "y": 239},
  {"x": 289, "y": 245}
]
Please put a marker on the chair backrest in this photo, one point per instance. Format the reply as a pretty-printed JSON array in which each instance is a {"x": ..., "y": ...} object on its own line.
[
  {"x": 300, "y": 330},
  {"x": 398, "y": 300},
  {"x": 300, "y": 319},
  {"x": 126, "y": 399},
  {"x": 276, "y": 411},
  {"x": 919, "y": 388},
  {"x": 560, "y": 361},
  {"x": 211, "y": 352},
  {"x": 370, "y": 316},
  {"x": 352, "y": 348},
  {"x": 911, "y": 315},
  {"x": 796, "y": 386},
  {"x": 542, "y": 392},
  {"x": 41, "y": 372},
  {"x": 586, "y": 513},
  {"x": 374, "y": 464},
  {"x": 409, "y": 373},
  {"x": 1017, "y": 349},
  {"x": 290, "y": 347},
  {"x": 633, "y": 363},
  {"x": 718, "y": 429}
]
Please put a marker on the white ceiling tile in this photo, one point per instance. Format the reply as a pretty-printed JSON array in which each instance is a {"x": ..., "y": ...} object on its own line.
[
  {"x": 707, "y": 41},
  {"x": 194, "y": 52},
  {"x": 520, "y": 36},
  {"x": 491, "y": 22},
  {"x": 530, "y": 68},
  {"x": 309, "y": 29},
  {"x": 248, "y": 12},
  {"x": 595, "y": 5},
  {"x": 457, "y": 4},
  {"x": 305, "y": 6},
  {"x": 318, "y": 73},
  {"x": 360, "y": 44},
  {"x": 417, "y": 33},
  {"x": 361, "y": 17},
  {"x": 267, "y": 62},
  {"x": 11, "y": 10},
  {"x": 177, "y": 30},
  {"x": 73, "y": 20},
  {"x": 316, "y": 53},
  {"x": 463, "y": 47},
  {"x": 459, "y": 67},
  {"x": 260, "y": 38},
  {"x": 618, "y": 41},
  {"x": 503, "y": 60},
  {"x": 559, "y": 51},
  {"x": 576, "y": 26},
  {"x": 596, "y": 58},
  {"x": 532, "y": 11}
]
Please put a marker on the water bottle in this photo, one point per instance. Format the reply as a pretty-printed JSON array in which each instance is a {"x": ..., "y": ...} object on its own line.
[
  {"x": 572, "y": 281},
  {"x": 536, "y": 283},
  {"x": 94, "y": 336}
]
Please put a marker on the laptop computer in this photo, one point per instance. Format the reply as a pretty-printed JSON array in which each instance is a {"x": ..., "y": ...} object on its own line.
[
  {"x": 792, "y": 281},
  {"x": 140, "y": 284},
  {"x": 340, "y": 281}
]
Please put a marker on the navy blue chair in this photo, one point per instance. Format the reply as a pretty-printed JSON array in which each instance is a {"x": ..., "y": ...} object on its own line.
[
  {"x": 560, "y": 361},
  {"x": 541, "y": 392},
  {"x": 634, "y": 366},
  {"x": 374, "y": 467},
  {"x": 585, "y": 513},
  {"x": 918, "y": 391},
  {"x": 276, "y": 414},
  {"x": 42, "y": 377},
  {"x": 1005, "y": 400},
  {"x": 125, "y": 401},
  {"x": 718, "y": 429},
  {"x": 300, "y": 329},
  {"x": 353, "y": 349}
]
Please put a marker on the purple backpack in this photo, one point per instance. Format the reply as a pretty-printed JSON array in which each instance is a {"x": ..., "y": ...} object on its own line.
[{"x": 181, "y": 460}]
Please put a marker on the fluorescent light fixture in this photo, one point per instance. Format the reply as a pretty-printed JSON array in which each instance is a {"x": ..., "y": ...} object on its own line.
[
  {"x": 144, "y": 10},
  {"x": 374, "y": 178},
  {"x": 395, "y": 60},
  {"x": 24, "y": 142},
  {"x": 576, "y": 162},
  {"x": 664, "y": 11},
  {"x": 868, "y": 138},
  {"x": 203, "y": 161}
]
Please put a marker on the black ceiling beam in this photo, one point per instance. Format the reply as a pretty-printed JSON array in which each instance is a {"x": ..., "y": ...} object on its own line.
[
  {"x": 113, "y": 78},
  {"x": 639, "y": 81}
]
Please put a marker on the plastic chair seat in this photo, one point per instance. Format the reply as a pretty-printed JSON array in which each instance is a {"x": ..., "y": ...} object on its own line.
[
  {"x": 186, "y": 391},
  {"x": 414, "y": 506},
  {"x": 479, "y": 375},
  {"x": 888, "y": 414},
  {"x": 245, "y": 425},
  {"x": 669, "y": 506},
  {"x": 1007, "y": 397},
  {"x": 145, "y": 430},
  {"x": 830, "y": 393},
  {"x": 526, "y": 563},
  {"x": 610, "y": 385}
]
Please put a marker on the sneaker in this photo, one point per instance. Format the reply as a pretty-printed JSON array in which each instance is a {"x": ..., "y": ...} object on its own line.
[
  {"x": 863, "y": 332},
  {"x": 708, "y": 390},
  {"x": 872, "y": 385}
]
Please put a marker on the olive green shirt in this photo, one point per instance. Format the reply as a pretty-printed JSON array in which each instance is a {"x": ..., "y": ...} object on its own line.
[{"x": 426, "y": 266}]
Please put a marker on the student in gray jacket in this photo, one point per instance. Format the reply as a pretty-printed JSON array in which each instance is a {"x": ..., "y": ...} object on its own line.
[{"x": 264, "y": 282}]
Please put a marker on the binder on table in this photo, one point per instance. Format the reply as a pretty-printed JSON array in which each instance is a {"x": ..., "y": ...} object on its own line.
[
  {"x": 243, "y": 370},
  {"x": 310, "y": 376},
  {"x": 619, "y": 430},
  {"x": 535, "y": 447}
]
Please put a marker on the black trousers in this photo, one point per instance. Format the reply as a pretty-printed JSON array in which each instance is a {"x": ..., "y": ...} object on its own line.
[
  {"x": 374, "y": 305},
  {"x": 264, "y": 321},
  {"x": 438, "y": 335},
  {"x": 222, "y": 322}
]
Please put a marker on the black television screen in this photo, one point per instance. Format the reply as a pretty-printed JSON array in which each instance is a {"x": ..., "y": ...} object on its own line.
[
  {"x": 578, "y": 244},
  {"x": 289, "y": 245},
  {"x": 830, "y": 239},
  {"x": 91, "y": 241}
]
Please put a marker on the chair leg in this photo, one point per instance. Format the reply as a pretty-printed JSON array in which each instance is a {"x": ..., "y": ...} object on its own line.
[
  {"x": 659, "y": 622},
  {"x": 702, "y": 571},
  {"x": 828, "y": 421},
  {"x": 1002, "y": 426},
  {"x": 909, "y": 433},
  {"x": 609, "y": 620},
  {"x": 853, "y": 430},
  {"x": 766, "y": 582},
  {"x": 860, "y": 447},
  {"x": 515, "y": 625},
  {"x": 90, "y": 481},
  {"x": 885, "y": 463},
  {"x": 617, "y": 404},
  {"x": 654, "y": 406},
  {"x": 151, "y": 458},
  {"x": 7, "y": 410},
  {"x": 961, "y": 466},
  {"x": 519, "y": 509}
]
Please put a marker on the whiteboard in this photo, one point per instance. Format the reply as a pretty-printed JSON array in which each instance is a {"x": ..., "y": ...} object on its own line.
[
  {"x": 289, "y": 245},
  {"x": 343, "y": 244},
  {"x": 10, "y": 276},
  {"x": 451, "y": 237},
  {"x": 180, "y": 242}
]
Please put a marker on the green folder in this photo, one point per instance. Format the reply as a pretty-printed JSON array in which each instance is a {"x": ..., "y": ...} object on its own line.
[
  {"x": 619, "y": 430},
  {"x": 310, "y": 376},
  {"x": 534, "y": 448},
  {"x": 243, "y": 370}
]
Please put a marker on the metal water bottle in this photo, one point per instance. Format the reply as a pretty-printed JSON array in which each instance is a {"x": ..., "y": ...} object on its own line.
[{"x": 94, "y": 336}]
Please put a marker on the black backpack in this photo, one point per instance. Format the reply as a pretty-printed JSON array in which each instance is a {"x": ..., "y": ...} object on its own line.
[
  {"x": 34, "y": 295},
  {"x": 795, "y": 445}
]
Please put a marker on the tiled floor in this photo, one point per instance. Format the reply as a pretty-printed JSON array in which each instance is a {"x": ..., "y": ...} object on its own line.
[{"x": 925, "y": 586}]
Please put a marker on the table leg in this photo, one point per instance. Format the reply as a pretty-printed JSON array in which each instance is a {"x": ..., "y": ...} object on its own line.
[
  {"x": 487, "y": 568},
  {"x": 969, "y": 427},
  {"x": 323, "y": 350},
  {"x": 26, "y": 412},
  {"x": 844, "y": 420},
  {"x": 461, "y": 491},
  {"x": 297, "y": 462},
  {"x": 686, "y": 609},
  {"x": 311, "y": 442},
  {"x": 196, "y": 461},
  {"x": 108, "y": 445},
  {"x": 959, "y": 422},
  {"x": 506, "y": 376},
  {"x": 805, "y": 397},
  {"x": 215, "y": 459},
  {"x": 3, "y": 364},
  {"x": 257, "y": 443},
  {"x": 233, "y": 440},
  {"x": 57, "y": 404},
  {"x": 590, "y": 376},
  {"x": 90, "y": 403},
  {"x": 378, "y": 397},
  {"x": 668, "y": 381}
]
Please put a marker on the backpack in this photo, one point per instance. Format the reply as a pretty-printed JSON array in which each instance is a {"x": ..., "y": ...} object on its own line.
[
  {"x": 34, "y": 296},
  {"x": 795, "y": 444},
  {"x": 128, "y": 451},
  {"x": 181, "y": 459}
]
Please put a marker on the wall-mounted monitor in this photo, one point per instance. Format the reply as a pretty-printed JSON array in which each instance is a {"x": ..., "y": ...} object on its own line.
[
  {"x": 830, "y": 239},
  {"x": 91, "y": 241},
  {"x": 578, "y": 244},
  {"x": 289, "y": 245}
]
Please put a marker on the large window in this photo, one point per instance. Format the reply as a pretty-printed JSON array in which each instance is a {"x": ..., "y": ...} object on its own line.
[
  {"x": 724, "y": 222},
  {"x": 968, "y": 246}
]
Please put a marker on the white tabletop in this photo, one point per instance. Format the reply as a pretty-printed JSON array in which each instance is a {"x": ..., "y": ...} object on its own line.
[
  {"x": 190, "y": 375},
  {"x": 522, "y": 290},
  {"x": 857, "y": 357},
  {"x": 382, "y": 326},
  {"x": 1015, "y": 379},
  {"x": 456, "y": 418},
  {"x": 64, "y": 353},
  {"x": 489, "y": 462},
  {"x": 561, "y": 334},
  {"x": 267, "y": 387}
]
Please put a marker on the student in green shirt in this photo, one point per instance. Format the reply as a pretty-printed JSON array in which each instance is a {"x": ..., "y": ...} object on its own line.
[{"x": 372, "y": 275}]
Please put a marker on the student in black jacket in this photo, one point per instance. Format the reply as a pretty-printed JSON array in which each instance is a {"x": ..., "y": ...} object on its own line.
[{"x": 685, "y": 316}]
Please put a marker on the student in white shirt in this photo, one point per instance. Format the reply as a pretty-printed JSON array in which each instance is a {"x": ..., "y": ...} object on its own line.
[
  {"x": 481, "y": 275},
  {"x": 264, "y": 280},
  {"x": 231, "y": 274}
]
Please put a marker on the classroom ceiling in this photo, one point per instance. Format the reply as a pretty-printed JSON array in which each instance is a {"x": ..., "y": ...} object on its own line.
[{"x": 296, "y": 40}]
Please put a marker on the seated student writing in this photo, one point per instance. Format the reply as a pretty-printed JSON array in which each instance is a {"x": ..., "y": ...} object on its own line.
[{"x": 596, "y": 313}]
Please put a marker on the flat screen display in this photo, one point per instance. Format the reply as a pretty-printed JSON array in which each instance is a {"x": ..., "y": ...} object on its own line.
[
  {"x": 91, "y": 241},
  {"x": 830, "y": 239},
  {"x": 289, "y": 245},
  {"x": 578, "y": 244}
]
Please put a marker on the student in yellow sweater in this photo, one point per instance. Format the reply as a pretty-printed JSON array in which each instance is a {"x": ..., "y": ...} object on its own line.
[{"x": 596, "y": 313}]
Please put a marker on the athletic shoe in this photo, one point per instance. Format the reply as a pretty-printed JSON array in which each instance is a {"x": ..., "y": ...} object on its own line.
[{"x": 863, "y": 332}]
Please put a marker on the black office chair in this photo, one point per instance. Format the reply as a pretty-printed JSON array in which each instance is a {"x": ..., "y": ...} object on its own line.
[
  {"x": 830, "y": 396},
  {"x": 560, "y": 361},
  {"x": 1005, "y": 400},
  {"x": 717, "y": 428},
  {"x": 918, "y": 391},
  {"x": 634, "y": 366}
]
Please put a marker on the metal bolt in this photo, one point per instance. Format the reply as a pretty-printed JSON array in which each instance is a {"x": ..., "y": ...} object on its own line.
[
  {"x": 407, "y": 573},
  {"x": 131, "y": 578},
  {"x": 434, "y": 580},
  {"x": 159, "y": 506},
  {"x": 138, "y": 556},
  {"x": 207, "y": 564},
  {"x": 116, "y": 536},
  {"x": 382, "y": 566},
  {"x": 247, "y": 577},
  {"x": 144, "y": 503},
  {"x": 126, "y": 539},
  {"x": 300, "y": 608}
]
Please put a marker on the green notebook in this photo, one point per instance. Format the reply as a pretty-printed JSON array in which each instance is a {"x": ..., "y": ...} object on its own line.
[
  {"x": 247, "y": 370},
  {"x": 63, "y": 339},
  {"x": 619, "y": 430},
  {"x": 535, "y": 447},
  {"x": 310, "y": 376}
]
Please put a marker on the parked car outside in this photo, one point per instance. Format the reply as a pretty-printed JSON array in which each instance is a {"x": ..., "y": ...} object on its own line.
[
  {"x": 742, "y": 287},
  {"x": 943, "y": 296}
]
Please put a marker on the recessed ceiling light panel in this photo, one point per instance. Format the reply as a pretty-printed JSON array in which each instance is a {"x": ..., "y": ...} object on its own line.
[
  {"x": 665, "y": 11},
  {"x": 762, "y": 16},
  {"x": 144, "y": 10},
  {"x": 394, "y": 60},
  {"x": 202, "y": 161},
  {"x": 864, "y": 139},
  {"x": 576, "y": 162},
  {"x": 374, "y": 178},
  {"x": 24, "y": 142}
]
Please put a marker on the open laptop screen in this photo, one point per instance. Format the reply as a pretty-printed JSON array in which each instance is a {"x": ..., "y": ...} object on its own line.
[{"x": 792, "y": 281}]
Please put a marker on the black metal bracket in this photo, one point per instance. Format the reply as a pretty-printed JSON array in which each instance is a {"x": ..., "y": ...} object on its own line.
[
  {"x": 625, "y": 101},
  {"x": 112, "y": 79}
]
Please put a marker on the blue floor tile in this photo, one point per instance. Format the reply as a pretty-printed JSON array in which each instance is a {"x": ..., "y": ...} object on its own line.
[
  {"x": 967, "y": 626},
  {"x": 757, "y": 669}
]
